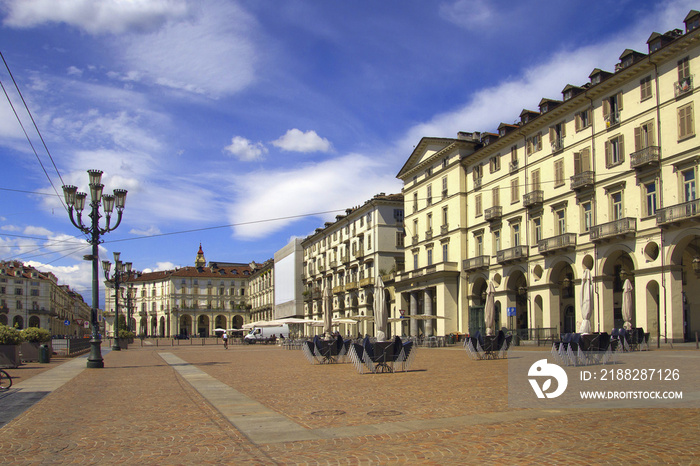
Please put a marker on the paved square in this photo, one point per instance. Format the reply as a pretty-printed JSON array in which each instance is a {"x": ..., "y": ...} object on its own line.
[{"x": 263, "y": 404}]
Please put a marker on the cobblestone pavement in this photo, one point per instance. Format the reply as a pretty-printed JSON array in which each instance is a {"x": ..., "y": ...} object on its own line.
[{"x": 140, "y": 409}]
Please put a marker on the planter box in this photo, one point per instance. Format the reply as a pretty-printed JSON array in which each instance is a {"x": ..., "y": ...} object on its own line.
[
  {"x": 30, "y": 350},
  {"x": 124, "y": 343},
  {"x": 9, "y": 356}
]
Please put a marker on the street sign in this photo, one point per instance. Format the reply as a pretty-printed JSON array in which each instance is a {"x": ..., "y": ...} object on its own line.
[
  {"x": 66, "y": 322},
  {"x": 402, "y": 311},
  {"x": 86, "y": 324},
  {"x": 511, "y": 312}
]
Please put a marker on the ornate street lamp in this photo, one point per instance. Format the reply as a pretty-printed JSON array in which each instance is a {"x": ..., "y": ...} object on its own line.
[
  {"x": 76, "y": 201},
  {"x": 121, "y": 270}
]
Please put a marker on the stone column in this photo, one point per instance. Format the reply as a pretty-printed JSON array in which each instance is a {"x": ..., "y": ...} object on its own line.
[
  {"x": 414, "y": 311},
  {"x": 428, "y": 310}
]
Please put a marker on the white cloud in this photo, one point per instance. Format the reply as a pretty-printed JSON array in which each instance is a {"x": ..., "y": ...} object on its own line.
[
  {"x": 150, "y": 231},
  {"x": 245, "y": 149},
  {"x": 12, "y": 228},
  {"x": 104, "y": 16},
  {"x": 211, "y": 53},
  {"x": 297, "y": 141},
  {"x": 74, "y": 71},
  {"x": 471, "y": 14},
  {"x": 330, "y": 185}
]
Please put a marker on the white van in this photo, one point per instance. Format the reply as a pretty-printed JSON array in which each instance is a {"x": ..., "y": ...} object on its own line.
[{"x": 265, "y": 334}]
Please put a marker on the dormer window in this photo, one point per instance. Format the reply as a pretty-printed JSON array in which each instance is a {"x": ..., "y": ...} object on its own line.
[
  {"x": 544, "y": 108},
  {"x": 568, "y": 94},
  {"x": 692, "y": 21},
  {"x": 655, "y": 45}
]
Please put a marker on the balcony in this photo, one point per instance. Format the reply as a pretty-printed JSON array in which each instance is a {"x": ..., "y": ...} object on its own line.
[
  {"x": 414, "y": 239},
  {"x": 345, "y": 259},
  {"x": 429, "y": 234},
  {"x": 678, "y": 213},
  {"x": 648, "y": 156},
  {"x": 515, "y": 254},
  {"x": 533, "y": 198},
  {"x": 476, "y": 263},
  {"x": 359, "y": 252},
  {"x": 366, "y": 282},
  {"x": 443, "y": 229},
  {"x": 582, "y": 180},
  {"x": 477, "y": 183},
  {"x": 617, "y": 229},
  {"x": 612, "y": 119},
  {"x": 493, "y": 213},
  {"x": 683, "y": 86},
  {"x": 557, "y": 145},
  {"x": 350, "y": 286},
  {"x": 339, "y": 289},
  {"x": 513, "y": 166},
  {"x": 557, "y": 243}
]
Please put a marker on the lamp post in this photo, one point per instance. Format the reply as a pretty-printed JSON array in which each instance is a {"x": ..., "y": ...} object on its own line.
[
  {"x": 120, "y": 270},
  {"x": 129, "y": 293},
  {"x": 76, "y": 201}
]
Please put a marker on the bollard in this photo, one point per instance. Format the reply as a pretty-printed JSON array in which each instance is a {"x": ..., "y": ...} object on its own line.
[
  {"x": 697, "y": 344},
  {"x": 202, "y": 341}
]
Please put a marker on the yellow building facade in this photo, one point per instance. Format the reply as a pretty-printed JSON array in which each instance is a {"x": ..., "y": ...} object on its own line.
[{"x": 601, "y": 178}]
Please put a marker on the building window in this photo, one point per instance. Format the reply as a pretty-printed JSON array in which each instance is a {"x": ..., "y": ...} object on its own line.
[
  {"x": 614, "y": 151},
  {"x": 616, "y": 211},
  {"x": 429, "y": 222},
  {"x": 430, "y": 256},
  {"x": 556, "y": 136},
  {"x": 495, "y": 163},
  {"x": 399, "y": 239},
  {"x": 645, "y": 88},
  {"x": 478, "y": 210},
  {"x": 586, "y": 208},
  {"x": 444, "y": 186},
  {"x": 476, "y": 174},
  {"x": 537, "y": 229},
  {"x": 495, "y": 197},
  {"x": 534, "y": 143},
  {"x": 445, "y": 250},
  {"x": 398, "y": 215},
  {"x": 560, "y": 216},
  {"x": 611, "y": 109},
  {"x": 415, "y": 261},
  {"x": 683, "y": 69},
  {"x": 415, "y": 202},
  {"x": 582, "y": 161},
  {"x": 558, "y": 172},
  {"x": 688, "y": 185},
  {"x": 644, "y": 136},
  {"x": 444, "y": 162},
  {"x": 429, "y": 198},
  {"x": 536, "y": 180},
  {"x": 514, "y": 191},
  {"x": 496, "y": 241},
  {"x": 650, "y": 198},
  {"x": 478, "y": 245},
  {"x": 515, "y": 230},
  {"x": 583, "y": 119},
  {"x": 686, "y": 127},
  {"x": 444, "y": 216}
]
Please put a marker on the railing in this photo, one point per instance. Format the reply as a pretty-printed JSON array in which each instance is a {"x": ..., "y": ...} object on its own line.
[
  {"x": 513, "y": 166},
  {"x": 359, "y": 252},
  {"x": 538, "y": 335},
  {"x": 557, "y": 242},
  {"x": 533, "y": 198},
  {"x": 678, "y": 212},
  {"x": 557, "y": 145},
  {"x": 582, "y": 179},
  {"x": 612, "y": 119},
  {"x": 428, "y": 234},
  {"x": 338, "y": 289},
  {"x": 350, "y": 286},
  {"x": 414, "y": 239},
  {"x": 366, "y": 281},
  {"x": 443, "y": 229},
  {"x": 647, "y": 156},
  {"x": 70, "y": 346},
  {"x": 478, "y": 262},
  {"x": 683, "y": 86},
  {"x": 493, "y": 213},
  {"x": 618, "y": 227},
  {"x": 511, "y": 254},
  {"x": 477, "y": 183}
]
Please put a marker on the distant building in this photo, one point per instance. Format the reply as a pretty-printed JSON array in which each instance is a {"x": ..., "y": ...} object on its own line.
[
  {"x": 347, "y": 255},
  {"x": 32, "y": 298},
  {"x": 186, "y": 301},
  {"x": 289, "y": 267},
  {"x": 261, "y": 294}
]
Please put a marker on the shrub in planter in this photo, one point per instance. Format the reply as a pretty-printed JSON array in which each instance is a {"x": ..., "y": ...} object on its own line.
[
  {"x": 36, "y": 335},
  {"x": 125, "y": 334},
  {"x": 10, "y": 339}
]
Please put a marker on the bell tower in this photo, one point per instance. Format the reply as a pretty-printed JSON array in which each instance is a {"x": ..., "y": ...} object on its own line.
[{"x": 200, "y": 261}]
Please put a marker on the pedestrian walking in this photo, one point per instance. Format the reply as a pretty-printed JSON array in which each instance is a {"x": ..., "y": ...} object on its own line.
[{"x": 225, "y": 337}]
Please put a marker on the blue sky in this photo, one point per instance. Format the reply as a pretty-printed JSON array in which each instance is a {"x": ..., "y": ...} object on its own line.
[{"x": 221, "y": 112}]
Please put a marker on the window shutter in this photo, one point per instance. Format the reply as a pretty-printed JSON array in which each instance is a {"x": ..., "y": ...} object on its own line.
[
  {"x": 638, "y": 139},
  {"x": 552, "y": 135},
  {"x": 651, "y": 134},
  {"x": 563, "y": 129},
  {"x": 577, "y": 163},
  {"x": 619, "y": 101},
  {"x": 689, "y": 119},
  {"x": 586, "y": 160},
  {"x": 577, "y": 122},
  {"x": 621, "y": 147},
  {"x": 607, "y": 153},
  {"x": 536, "y": 180},
  {"x": 606, "y": 108},
  {"x": 539, "y": 141},
  {"x": 496, "y": 197}
]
